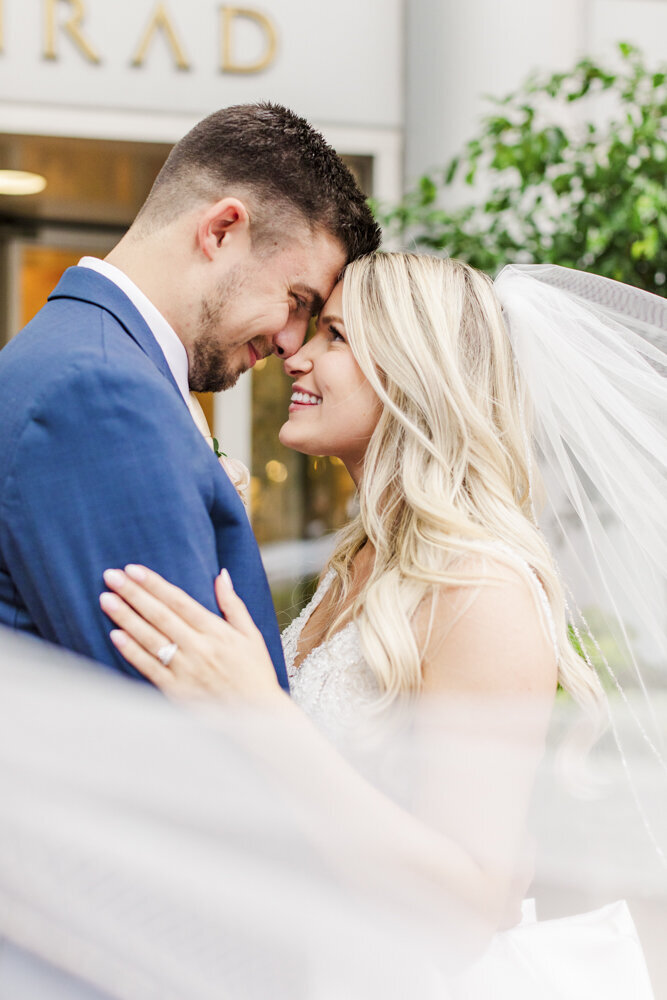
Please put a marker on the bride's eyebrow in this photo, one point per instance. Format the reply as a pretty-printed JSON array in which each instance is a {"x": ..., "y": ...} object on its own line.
[{"x": 324, "y": 320}]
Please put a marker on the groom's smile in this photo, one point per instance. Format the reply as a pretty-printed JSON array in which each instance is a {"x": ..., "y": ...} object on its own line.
[{"x": 262, "y": 305}]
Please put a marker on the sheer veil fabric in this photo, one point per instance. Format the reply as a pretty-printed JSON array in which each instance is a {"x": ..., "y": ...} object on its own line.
[
  {"x": 591, "y": 357},
  {"x": 148, "y": 851}
]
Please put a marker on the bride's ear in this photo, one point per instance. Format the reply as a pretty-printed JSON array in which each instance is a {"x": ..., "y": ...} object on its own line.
[{"x": 224, "y": 228}]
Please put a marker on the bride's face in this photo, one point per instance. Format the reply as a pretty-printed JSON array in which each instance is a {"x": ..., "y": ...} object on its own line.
[{"x": 333, "y": 410}]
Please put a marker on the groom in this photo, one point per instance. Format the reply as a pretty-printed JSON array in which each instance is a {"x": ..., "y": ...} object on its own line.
[{"x": 239, "y": 242}]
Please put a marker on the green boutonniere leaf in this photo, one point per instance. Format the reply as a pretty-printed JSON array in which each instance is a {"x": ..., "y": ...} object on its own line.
[{"x": 216, "y": 449}]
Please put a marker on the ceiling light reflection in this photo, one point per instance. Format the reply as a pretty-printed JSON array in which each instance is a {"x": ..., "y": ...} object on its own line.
[{"x": 21, "y": 182}]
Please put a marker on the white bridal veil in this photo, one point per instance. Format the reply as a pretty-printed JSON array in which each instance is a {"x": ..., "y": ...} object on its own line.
[
  {"x": 591, "y": 355},
  {"x": 149, "y": 851}
]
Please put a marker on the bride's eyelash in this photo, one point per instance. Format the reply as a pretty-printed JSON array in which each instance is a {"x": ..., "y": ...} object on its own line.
[{"x": 336, "y": 333}]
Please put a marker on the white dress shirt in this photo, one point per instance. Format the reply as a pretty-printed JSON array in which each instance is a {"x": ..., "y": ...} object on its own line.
[{"x": 167, "y": 338}]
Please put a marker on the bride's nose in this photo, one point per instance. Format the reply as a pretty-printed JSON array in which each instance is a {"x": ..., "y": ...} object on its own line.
[{"x": 298, "y": 364}]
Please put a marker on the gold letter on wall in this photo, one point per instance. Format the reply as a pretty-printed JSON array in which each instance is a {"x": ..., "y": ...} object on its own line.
[
  {"x": 160, "y": 21},
  {"x": 71, "y": 27},
  {"x": 229, "y": 63}
]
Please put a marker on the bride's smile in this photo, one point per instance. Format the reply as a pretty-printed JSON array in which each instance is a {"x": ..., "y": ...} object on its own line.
[
  {"x": 301, "y": 398},
  {"x": 333, "y": 409}
]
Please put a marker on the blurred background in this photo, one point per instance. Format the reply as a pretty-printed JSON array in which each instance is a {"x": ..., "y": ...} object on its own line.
[{"x": 491, "y": 131}]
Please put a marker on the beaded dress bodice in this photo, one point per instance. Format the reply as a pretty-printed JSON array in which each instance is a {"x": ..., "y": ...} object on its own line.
[{"x": 333, "y": 684}]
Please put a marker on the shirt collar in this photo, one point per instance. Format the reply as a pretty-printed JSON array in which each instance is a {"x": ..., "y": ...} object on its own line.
[{"x": 168, "y": 340}]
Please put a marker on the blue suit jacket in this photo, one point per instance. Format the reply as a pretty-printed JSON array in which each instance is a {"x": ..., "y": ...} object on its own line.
[{"x": 101, "y": 465}]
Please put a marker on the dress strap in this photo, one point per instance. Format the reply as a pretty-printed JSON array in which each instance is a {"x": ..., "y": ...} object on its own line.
[{"x": 539, "y": 592}]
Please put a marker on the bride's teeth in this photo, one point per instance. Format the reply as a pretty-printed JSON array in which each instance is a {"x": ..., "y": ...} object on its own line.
[{"x": 305, "y": 397}]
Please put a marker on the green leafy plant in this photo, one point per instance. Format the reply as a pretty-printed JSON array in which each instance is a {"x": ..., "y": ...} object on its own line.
[{"x": 572, "y": 169}]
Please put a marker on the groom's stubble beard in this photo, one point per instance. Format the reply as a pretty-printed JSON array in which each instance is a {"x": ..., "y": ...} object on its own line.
[{"x": 209, "y": 365}]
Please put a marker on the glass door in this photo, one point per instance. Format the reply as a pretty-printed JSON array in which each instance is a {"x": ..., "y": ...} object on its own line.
[{"x": 33, "y": 268}]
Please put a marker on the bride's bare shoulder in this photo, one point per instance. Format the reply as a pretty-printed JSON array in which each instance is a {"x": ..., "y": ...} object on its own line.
[{"x": 488, "y": 633}]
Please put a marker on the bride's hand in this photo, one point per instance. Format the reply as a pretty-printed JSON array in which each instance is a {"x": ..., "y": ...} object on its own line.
[{"x": 213, "y": 658}]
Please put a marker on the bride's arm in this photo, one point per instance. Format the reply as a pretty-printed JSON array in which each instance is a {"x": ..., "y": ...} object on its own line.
[
  {"x": 472, "y": 798},
  {"x": 490, "y": 677}
]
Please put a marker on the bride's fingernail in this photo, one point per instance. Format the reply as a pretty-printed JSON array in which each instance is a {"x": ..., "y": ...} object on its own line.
[
  {"x": 109, "y": 602},
  {"x": 117, "y": 637},
  {"x": 136, "y": 572},
  {"x": 114, "y": 578},
  {"x": 226, "y": 579}
]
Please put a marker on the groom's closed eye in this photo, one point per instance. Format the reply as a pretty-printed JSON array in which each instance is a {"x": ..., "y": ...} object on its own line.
[
  {"x": 300, "y": 302},
  {"x": 311, "y": 299}
]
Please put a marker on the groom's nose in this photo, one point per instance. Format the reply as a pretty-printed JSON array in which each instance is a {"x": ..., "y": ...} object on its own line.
[{"x": 291, "y": 337}]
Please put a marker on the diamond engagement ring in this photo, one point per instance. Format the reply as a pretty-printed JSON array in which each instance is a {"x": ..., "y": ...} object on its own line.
[{"x": 165, "y": 654}]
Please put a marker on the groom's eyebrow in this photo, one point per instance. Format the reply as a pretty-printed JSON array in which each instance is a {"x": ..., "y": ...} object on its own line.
[{"x": 315, "y": 300}]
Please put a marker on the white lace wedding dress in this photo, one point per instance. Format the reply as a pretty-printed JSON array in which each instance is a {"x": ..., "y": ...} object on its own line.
[
  {"x": 333, "y": 685},
  {"x": 590, "y": 956}
]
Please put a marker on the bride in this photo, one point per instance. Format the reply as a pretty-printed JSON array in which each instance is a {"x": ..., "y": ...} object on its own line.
[{"x": 441, "y": 589}]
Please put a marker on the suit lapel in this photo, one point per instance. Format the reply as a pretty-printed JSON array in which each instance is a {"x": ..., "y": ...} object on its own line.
[{"x": 85, "y": 285}]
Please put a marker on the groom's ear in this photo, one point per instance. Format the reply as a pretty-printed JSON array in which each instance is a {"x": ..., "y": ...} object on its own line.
[{"x": 224, "y": 225}]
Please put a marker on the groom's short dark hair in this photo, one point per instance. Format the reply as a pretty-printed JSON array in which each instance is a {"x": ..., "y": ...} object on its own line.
[{"x": 276, "y": 158}]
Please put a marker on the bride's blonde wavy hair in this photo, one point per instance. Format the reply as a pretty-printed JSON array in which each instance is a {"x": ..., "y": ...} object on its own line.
[{"x": 446, "y": 471}]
